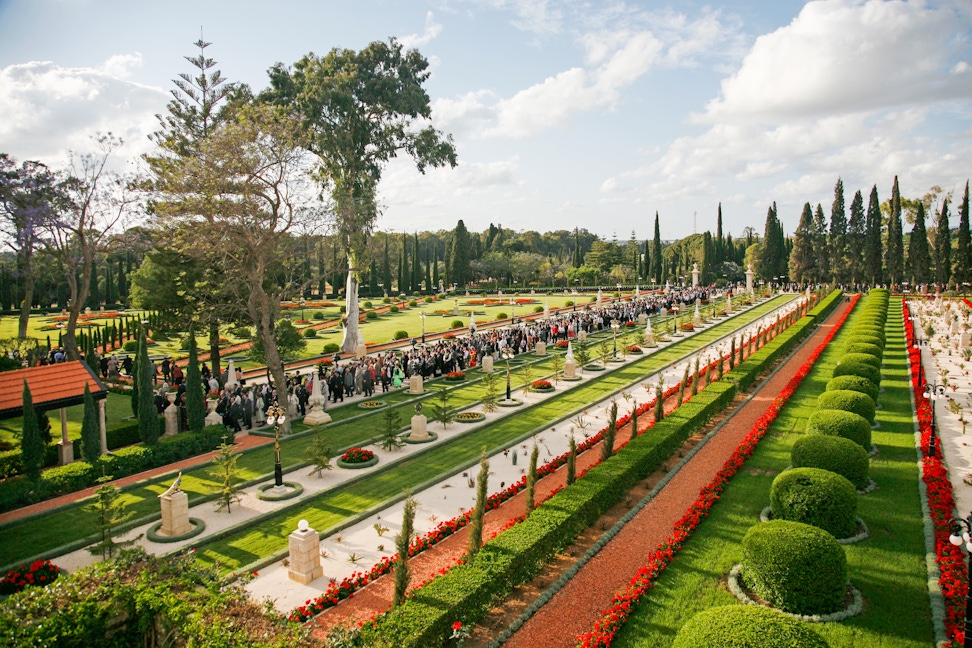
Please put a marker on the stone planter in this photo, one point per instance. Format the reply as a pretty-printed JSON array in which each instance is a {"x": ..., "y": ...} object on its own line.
[{"x": 355, "y": 466}]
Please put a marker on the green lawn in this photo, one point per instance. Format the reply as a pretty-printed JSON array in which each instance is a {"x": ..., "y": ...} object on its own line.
[
  {"x": 117, "y": 410},
  {"x": 888, "y": 568},
  {"x": 30, "y": 536}
]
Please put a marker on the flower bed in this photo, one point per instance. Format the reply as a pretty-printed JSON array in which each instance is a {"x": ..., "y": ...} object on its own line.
[
  {"x": 634, "y": 348},
  {"x": 625, "y": 602},
  {"x": 357, "y": 458},
  {"x": 372, "y": 405},
  {"x": 470, "y": 417},
  {"x": 542, "y": 386},
  {"x": 39, "y": 572},
  {"x": 562, "y": 344},
  {"x": 455, "y": 376},
  {"x": 688, "y": 326}
]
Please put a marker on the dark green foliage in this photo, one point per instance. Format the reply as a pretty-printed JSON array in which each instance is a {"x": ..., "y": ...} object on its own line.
[
  {"x": 607, "y": 443},
  {"x": 849, "y": 401},
  {"x": 833, "y": 453},
  {"x": 894, "y": 253},
  {"x": 856, "y": 229},
  {"x": 796, "y": 567},
  {"x": 863, "y": 347},
  {"x": 919, "y": 257},
  {"x": 874, "y": 331},
  {"x": 858, "y": 369},
  {"x": 460, "y": 270},
  {"x": 746, "y": 626},
  {"x": 195, "y": 393},
  {"x": 863, "y": 358},
  {"x": 290, "y": 343},
  {"x": 843, "y": 424},
  {"x": 962, "y": 264},
  {"x": 90, "y": 430},
  {"x": 31, "y": 445},
  {"x": 854, "y": 383},
  {"x": 943, "y": 248},
  {"x": 572, "y": 461},
  {"x": 873, "y": 246},
  {"x": 476, "y": 522},
  {"x": 816, "y": 496},
  {"x": 531, "y": 483},
  {"x": 402, "y": 542},
  {"x": 226, "y": 474},
  {"x": 148, "y": 420},
  {"x": 865, "y": 338}
]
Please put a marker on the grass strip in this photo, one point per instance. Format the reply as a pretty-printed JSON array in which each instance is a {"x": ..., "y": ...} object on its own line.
[{"x": 889, "y": 568}]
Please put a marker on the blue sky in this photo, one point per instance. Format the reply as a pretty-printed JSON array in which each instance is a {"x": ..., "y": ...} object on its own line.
[{"x": 594, "y": 114}]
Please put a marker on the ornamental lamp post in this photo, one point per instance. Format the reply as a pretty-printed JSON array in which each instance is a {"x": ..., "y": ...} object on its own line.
[
  {"x": 513, "y": 311},
  {"x": 615, "y": 325},
  {"x": 960, "y": 535},
  {"x": 276, "y": 418},
  {"x": 675, "y": 320},
  {"x": 422, "y": 317},
  {"x": 933, "y": 392},
  {"x": 507, "y": 354}
]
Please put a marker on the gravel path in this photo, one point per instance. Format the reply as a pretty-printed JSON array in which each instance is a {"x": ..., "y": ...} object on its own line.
[{"x": 580, "y": 603}]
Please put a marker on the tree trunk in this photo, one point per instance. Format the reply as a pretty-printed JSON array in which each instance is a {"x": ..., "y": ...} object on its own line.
[
  {"x": 28, "y": 299},
  {"x": 350, "y": 340},
  {"x": 261, "y": 313},
  {"x": 214, "y": 345}
]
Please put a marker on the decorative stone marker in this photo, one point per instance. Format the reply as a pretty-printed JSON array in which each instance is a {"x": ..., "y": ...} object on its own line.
[
  {"x": 570, "y": 366},
  {"x": 749, "y": 278},
  {"x": 600, "y": 295},
  {"x": 695, "y": 275},
  {"x": 171, "y": 415},
  {"x": 420, "y": 429},
  {"x": 642, "y": 319},
  {"x": 487, "y": 364},
  {"x": 214, "y": 417},
  {"x": 360, "y": 350},
  {"x": 540, "y": 349},
  {"x": 649, "y": 336},
  {"x": 965, "y": 342},
  {"x": 582, "y": 335},
  {"x": 231, "y": 375},
  {"x": 317, "y": 415},
  {"x": 305, "y": 554},
  {"x": 415, "y": 385},
  {"x": 175, "y": 510}
]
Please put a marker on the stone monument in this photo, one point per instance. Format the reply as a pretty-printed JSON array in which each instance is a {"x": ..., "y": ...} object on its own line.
[
  {"x": 570, "y": 365},
  {"x": 695, "y": 275},
  {"x": 697, "y": 321},
  {"x": 171, "y": 416},
  {"x": 582, "y": 335},
  {"x": 487, "y": 364},
  {"x": 231, "y": 375},
  {"x": 600, "y": 295},
  {"x": 546, "y": 308},
  {"x": 317, "y": 402},
  {"x": 749, "y": 278},
  {"x": 649, "y": 336},
  {"x": 175, "y": 510},
  {"x": 305, "y": 554},
  {"x": 642, "y": 318},
  {"x": 540, "y": 349},
  {"x": 420, "y": 429},
  {"x": 360, "y": 350},
  {"x": 415, "y": 385}
]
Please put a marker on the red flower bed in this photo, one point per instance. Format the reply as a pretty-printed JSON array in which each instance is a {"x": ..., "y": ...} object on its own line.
[
  {"x": 953, "y": 579},
  {"x": 357, "y": 455},
  {"x": 624, "y": 603},
  {"x": 39, "y": 572},
  {"x": 542, "y": 384},
  {"x": 456, "y": 375},
  {"x": 562, "y": 344},
  {"x": 688, "y": 327}
]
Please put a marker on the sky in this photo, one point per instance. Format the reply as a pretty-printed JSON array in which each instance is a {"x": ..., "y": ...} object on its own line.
[{"x": 564, "y": 113}]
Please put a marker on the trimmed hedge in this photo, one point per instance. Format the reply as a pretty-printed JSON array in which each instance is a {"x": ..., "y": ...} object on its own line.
[
  {"x": 855, "y": 383},
  {"x": 862, "y": 338},
  {"x": 862, "y": 358},
  {"x": 746, "y": 626},
  {"x": 816, "y": 496},
  {"x": 842, "y": 424},
  {"x": 796, "y": 567},
  {"x": 833, "y": 453},
  {"x": 858, "y": 369},
  {"x": 860, "y": 347},
  {"x": 849, "y": 401}
]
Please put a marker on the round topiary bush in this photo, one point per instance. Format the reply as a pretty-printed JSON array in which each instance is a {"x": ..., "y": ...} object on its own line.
[
  {"x": 816, "y": 496},
  {"x": 310, "y": 333},
  {"x": 849, "y": 401},
  {"x": 318, "y": 315},
  {"x": 331, "y": 347},
  {"x": 858, "y": 369},
  {"x": 843, "y": 424},
  {"x": 854, "y": 383},
  {"x": 833, "y": 453},
  {"x": 456, "y": 324},
  {"x": 860, "y": 338},
  {"x": 860, "y": 347},
  {"x": 870, "y": 331},
  {"x": 863, "y": 358},
  {"x": 501, "y": 315},
  {"x": 393, "y": 308},
  {"x": 746, "y": 626},
  {"x": 372, "y": 315},
  {"x": 400, "y": 335},
  {"x": 797, "y": 568}
]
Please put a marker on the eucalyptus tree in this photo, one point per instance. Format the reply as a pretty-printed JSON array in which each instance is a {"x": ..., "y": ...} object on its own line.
[{"x": 358, "y": 110}]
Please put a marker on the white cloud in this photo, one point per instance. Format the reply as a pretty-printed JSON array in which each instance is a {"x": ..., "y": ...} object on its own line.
[
  {"x": 49, "y": 109},
  {"x": 432, "y": 30},
  {"x": 841, "y": 56},
  {"x": 120, "y": 65},
  {"x": 541, "y": 17}
]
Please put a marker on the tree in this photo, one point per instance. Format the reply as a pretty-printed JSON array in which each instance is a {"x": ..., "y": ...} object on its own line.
[
  {"x": 402, "y": 542},
  {"x": 873, "y": 248},
  {"x": 358, "y": 109},
  {"x": 461, "y": 273},
  {"x": 572, "y": 461},
  {"x": 821, "y": 250},
  {"x": 290, "y": 343},
  {"x": 656, "y": 255},
  {"x": 392, "y": 421},
  {"x": 607, "y": 443},
  {"x": 962, "y": 270},
  {"x": 441, "y": 407},
  {"x": 919, "y": 257},
  {"x": 225, "y": 475},
  {"x": 943, "y": 248},
  {"x": 195, "y": 392},
  {"x": 856, "y": 231},
  {"x": 319, "y": 454},
  {"x": 110, "y": 514},
  {"x": 476, "y": 522},
  {"x": 31, "y": 445},
  {"x": 90, "y": 431},
  {"x": 802, "y": 260},
  {"x": 773, "y": 258},
  {"x": 894, "y": 252},
  {"x": 148, "y": 418},
  {"x": 531, "y": 482},
  {"x": 838, "y": 235},
  {"x": 490, "y": 396}
]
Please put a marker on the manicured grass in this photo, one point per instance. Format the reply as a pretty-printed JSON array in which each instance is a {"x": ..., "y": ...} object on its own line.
[
  {"x": 117, "y": 410},
  {"x": 30, "y": 536},
  {"x": 889, "y": 568}
]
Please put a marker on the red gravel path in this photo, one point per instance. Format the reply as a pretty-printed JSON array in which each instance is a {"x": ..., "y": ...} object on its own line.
[{"x": 574, "y": 609}]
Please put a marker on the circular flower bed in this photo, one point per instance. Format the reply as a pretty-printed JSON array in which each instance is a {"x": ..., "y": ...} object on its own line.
[
  {"x": 456, "y": 376},
  {"x": 470, "y": 417},
  {"x": 153, "y": 535},
  {"x": 593, "y": 367},
  {"x": 372, "y": 405},
  {"x": 688, "y": 327},
  {"x": 562, "y": 344},
  {"x": 357, "y": 458},
  {"x": 265, "y": 492},
  {"x": 39, "y": 572},
  {"x": 634, "y": 348},
  {"x": 542, "y": 386}
]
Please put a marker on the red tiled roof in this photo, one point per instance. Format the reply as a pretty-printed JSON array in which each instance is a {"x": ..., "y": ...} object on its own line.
[{"x": 51, "y": 387}]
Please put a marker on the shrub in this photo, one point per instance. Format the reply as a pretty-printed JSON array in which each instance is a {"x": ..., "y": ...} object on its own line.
[
  {"x": 569, "y": 302},
  {"x": 331, "y": 347},
  {"x": 412, "y": 303},
  {"x": 833, "y": 453},
  {"x": 386, "y": 300},
  {"x": 849, "y": 401},
  {"x": 796, "y": 567},
  {"x": 843, "y": 424},
  {"x": 746, "y": 626},
  {"x": 131, "y": 346},
  {"x": 310, "y": 333},
  {"x": 371, "y": 315},
  {"x": 854, "y": 383},
  {"x": 501, "y": 315},
  {"x": 858, "y": 369},
  {"x": 861, "y": 338},
  {"x": 816, "y": 496},
  {"x": 538, "y": 309},
  {"x": 429, "y": 300},
  {"x": 343, "y": 309},
  {"x": 863, "y": 358},
  {"x": 393, "y": 308},
  {"x": 242, "y": 332},
  {"x": 456, "y": 324},
  {"x": 400, "y": 335},
  {"x": 860, "y": 347},
  {"x": 318, "y": 315},
  {"x": 368, "y": 304}
]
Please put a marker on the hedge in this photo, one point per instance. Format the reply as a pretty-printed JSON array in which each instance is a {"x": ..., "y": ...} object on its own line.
[
  {"x": 858, "y": 369},
  {"x": 860, "y": 347},
  {"x": 849, "y": 401},
  {"x": 796, "y": 567},
  {"x": 862, "y": 338},
  {"x": 816, "y": 496},
  {"x": 847, "y": 425},
  {"x": 468, "y": 590},
  {"x": 862, "y": 358},
  {"x": 746, "y": 626},
  {"x": 833, "y": 453},
  {"x": 855, "y": 383}
]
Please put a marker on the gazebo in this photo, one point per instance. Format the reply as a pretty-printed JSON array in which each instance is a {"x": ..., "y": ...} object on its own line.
[{"x": 56, "y": 386}]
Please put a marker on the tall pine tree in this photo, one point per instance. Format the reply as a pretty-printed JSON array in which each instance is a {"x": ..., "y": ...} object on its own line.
[
  {"x": 802, "y": 266},
  {"x": 821, "y": 249},
  {"x": 962, "y": 268},
  {"x": 461, "y": 257},
  {"x": 943, "y": 249},
  {"x": 873, "y": 248},
  {"x": 656, "y": 255},
  {"x": 856, "y": 228},
  {"x": 919, "y": 257},
  {"x": 894, "y": 252},
  {"x": 838, "y": 235}
]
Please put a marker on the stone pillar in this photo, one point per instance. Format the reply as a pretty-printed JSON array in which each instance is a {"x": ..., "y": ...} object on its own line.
[
  {"x": 695, "y": 275},
  {"x": 415, "y": 385},
  {"x": 305, "y": 554},
  {"x": 102, "y": 428},
  {"x": 65, "y": 449},
  {"x": 487, "y": 364},
  {"x": 420, "y": 428},
  {"x": 175, "y": 514},
  {"x": 317, "y": 415},
  {"x": 171, "y": 416},
  {"x": 540, "y": 349},
  {"x": 582, "y": 336},
  {"x": 570, "y": 370},
  {"x": 213, "y": 418},
  {"x": 642, "y": 319},
  {"x": 749, "y": 278},
  {"x": 360, "y": 350},
  {"x": 230, "y": 375}
]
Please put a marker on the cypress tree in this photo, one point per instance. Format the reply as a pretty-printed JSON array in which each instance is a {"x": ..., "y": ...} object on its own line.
[
  {"x": 402, "y": 265},
  {"x": 476, "y": 523},
  {"x": 656, "y": 254},
  {"x": 659, "y": 402},
  {"x": 681, "y": 385},
  {"x": 578, "y": 258},
  {"x": 148, "y": 419},
  {"x": 720, "y": 254},
  {"x": 572, "y": 461},
  {"x": 461, "y": 274},
  {"x": 531, "y": 482},
  {"x": 773, "y": 258},
  {"x": 634, "y": 420},
  {"x": 416, "y": 281},
  {"x": 963, "y": 255},
  {"x": 402, "y": 542},
  {"x": 695, "y": 377},
  {"x": 428, "y": 270},
  {"x": 802, "y": 258},
  {"x": 943, "y": 249},
  {"x": 90, "y": 432},
  {"x": 838, "y": 235},
  {"x": 894, "y": 253},
  {"x": 646, "y": 262},
  {"x": 386, "y": 278},
  {"x": 135, "y": 389},
  {"x": 195, "y": 393},
  {"x": 856, "y": 229},
  {"x": 607, "y": 442},
  {"x": 31, "y": 444},
  {"x": 873, "y": 248},
  {"x": 435, "y": 267},
  {"x": 821, "y": 249}
]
